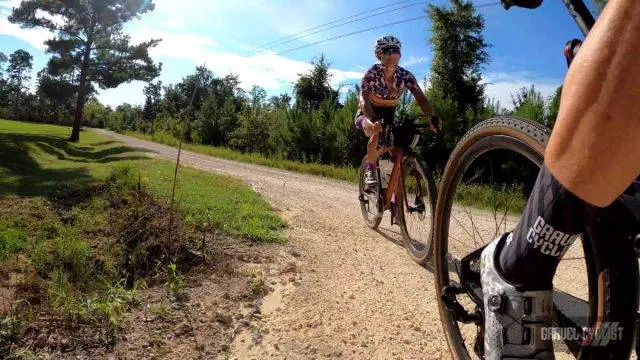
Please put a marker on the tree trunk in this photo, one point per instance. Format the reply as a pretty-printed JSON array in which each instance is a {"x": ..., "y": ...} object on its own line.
[
  {"x": 77, "y": 118},
  {"x": 82, "y": 88}
]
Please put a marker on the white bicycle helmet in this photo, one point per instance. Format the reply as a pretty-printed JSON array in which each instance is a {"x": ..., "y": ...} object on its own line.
[{"x": 386, "y": 42}]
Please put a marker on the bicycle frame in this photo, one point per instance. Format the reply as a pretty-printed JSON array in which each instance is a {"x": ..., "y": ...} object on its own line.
[
  {"x": 581, "y": 15},
  {"x": 397, "y": 154}
]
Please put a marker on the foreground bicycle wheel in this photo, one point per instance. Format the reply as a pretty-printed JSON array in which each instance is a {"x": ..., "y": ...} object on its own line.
[
  {"x": 369, "y": 197},
  {"x": 419, "y": 194},
  {"x": 480, "y": 173}
]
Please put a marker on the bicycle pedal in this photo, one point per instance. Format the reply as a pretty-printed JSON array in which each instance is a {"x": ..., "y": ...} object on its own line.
[{"x": 458, "y": 311}]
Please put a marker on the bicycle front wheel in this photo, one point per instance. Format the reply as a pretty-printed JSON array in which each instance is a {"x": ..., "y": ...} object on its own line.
[
  {"x": 418, "y": 200},
  {"x": 369, "y": 198},
  {"x": 483, "y": 192}
]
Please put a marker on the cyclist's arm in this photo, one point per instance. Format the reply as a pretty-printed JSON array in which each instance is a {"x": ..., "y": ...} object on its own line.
[{"x": 595, "y": 145}]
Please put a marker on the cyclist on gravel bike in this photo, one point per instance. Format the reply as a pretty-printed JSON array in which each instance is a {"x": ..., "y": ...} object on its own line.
[
  {"x": 380, "y": 91},
  {"x": 591, "y": 158}
]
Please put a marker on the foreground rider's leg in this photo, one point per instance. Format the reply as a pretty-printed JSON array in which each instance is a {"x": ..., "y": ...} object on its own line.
[
  {"x": 591, "y": 158},
  {"x": 517, "y": 271},
  {"x": 550, "y": 222},
  {"x": 593, "y": 150}
]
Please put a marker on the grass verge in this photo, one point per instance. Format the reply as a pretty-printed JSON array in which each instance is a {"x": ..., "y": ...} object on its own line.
[
  {"x": 84, "y": 226},
  {"x": 479, "y": 196},
  {"x": 340, "y": 173},
  {"x": 36, "y": 160}
]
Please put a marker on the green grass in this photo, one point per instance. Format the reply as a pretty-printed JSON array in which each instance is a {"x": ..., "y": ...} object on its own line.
[
  {"x": 37, "y": 161},
  {"x": 507, "y": 198},
  {"x": 11, "y": 240},
  {"x": 341, "y": 173},
  {"x": 484, "y": 197}
]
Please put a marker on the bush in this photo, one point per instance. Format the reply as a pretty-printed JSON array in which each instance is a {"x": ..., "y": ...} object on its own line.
[
  {"x": 65, "y": 252},
  {"x": 11, "y": 241}
]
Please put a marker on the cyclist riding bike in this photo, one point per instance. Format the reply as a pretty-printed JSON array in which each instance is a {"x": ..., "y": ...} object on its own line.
[
  {"x": 591, "y": 159},
  {"x": 380, "y": 92}
]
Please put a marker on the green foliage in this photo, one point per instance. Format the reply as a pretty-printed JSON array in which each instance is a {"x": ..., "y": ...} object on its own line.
[
  {"x": 91, "y": 43},
  {"x": 528, "y": 103},
  {"x": 459, "y": 53},
  {"x": 95, "y": 114},
  {"x": 65, "y": 252},
  {"x": 502, "y": 198},
  {"x": 312, "y": 89},
  {"x": 553, "y": 106},
  {"x": 174, "y": 282},
  {"x": 64, "y": 297},
  {"x": 492, "y": 108},
  {"x": 153, "y": 97},
  {"x": 109, "y": 309},
  {"x": 331, "y": 171},
  {"x": 127, "y": 117},
  {"x": 14, "y": 84},
  {"x": 11, "y": 240},
  {"x": 253, "y": 134},
  {"x": 56, "y": 95},
  {"x": 8, "y": 329}
]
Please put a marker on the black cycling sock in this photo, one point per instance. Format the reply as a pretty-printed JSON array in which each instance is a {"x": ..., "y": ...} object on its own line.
[{"x": 548, "y": 226}]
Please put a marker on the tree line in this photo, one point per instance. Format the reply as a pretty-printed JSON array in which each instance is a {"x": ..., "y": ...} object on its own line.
[{"x": 312, "y": 124}]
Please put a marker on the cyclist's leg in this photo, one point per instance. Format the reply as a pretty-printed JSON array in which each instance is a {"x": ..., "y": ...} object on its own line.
[
  {"x": 593, "y": 150},
  {"x": 369, "y": 130},
  {"x": 591, "y": 157},
  {"x": 517, "y": 269},
  {"x": 549, "y": 225}
]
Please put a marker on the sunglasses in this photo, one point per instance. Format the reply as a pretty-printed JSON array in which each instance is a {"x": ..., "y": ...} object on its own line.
[{"x": 391, "y": 50}]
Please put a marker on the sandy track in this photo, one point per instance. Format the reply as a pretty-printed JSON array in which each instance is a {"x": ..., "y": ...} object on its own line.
[{"x": 355, "y": 294}]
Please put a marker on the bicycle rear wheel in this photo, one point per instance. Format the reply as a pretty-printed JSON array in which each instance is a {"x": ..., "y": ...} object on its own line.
[
  {"x": 369, "y": 198},
  {"x": 479, "y": 172},
  {"x": 417, "y": 205}
]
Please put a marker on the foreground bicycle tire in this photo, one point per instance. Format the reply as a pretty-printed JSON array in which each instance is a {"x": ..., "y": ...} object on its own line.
[
  {"x": 607, "y": 299},
  {"x": 418, "y": 239}
]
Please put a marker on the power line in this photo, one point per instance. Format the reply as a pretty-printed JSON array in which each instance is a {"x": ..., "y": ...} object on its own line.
[
  {"x": 351, "y": 33},
  {"x": 372, "y": 28},
  {"x": 294, "y": 38},
  {"x": 329, "y": 23}
]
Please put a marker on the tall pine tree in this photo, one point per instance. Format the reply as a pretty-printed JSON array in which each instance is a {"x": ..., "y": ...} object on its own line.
[
  {"x": 88, "y": 39},
  {"x": 19, "y": 74},
  {"x": 459, "y": 53}
]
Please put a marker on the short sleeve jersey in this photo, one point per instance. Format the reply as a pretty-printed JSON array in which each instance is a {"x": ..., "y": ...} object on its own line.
[{"x": 380, "y": 93}]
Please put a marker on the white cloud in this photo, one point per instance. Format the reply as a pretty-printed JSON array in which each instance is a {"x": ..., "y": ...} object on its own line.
[
  {"x": 414, "y": 60},
  {"x": 273, "y": 72},
  {"x": 173, "y": 44},
  {"x": 500, "y": 86},
  {"x": 265, "y": 69},
  {"x": 35, "y": 37}
]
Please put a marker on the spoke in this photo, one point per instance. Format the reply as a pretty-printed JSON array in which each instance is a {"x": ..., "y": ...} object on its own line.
[
  {"x": 504, "y": 215},
  {"x": 473, "y": 225},
  {"x": 459, "y": 223},
  {"x": 461, "y": 242}
]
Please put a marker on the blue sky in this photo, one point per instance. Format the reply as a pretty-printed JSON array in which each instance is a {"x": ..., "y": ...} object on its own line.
[{"x": 526, "y": 46}]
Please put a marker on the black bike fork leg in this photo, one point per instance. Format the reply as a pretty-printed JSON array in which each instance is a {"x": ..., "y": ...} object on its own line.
[{"x": 610, "y": 231}]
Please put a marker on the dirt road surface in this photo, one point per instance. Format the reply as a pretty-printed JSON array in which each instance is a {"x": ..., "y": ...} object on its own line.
[{"x": 354, "y": 294}]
